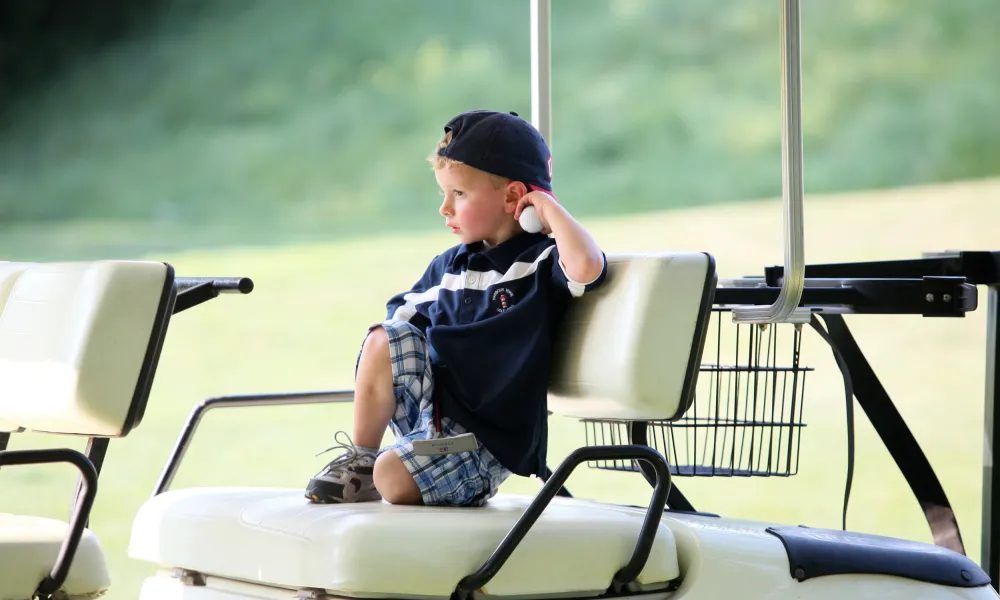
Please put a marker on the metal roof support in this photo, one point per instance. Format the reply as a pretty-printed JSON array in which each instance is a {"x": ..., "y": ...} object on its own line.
[
  {"x": 792, "y": 182},
  {"x": 541, "y": 68}
]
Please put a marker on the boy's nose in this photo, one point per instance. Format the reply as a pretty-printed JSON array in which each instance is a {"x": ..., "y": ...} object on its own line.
[{"x": 445, "y": 210}]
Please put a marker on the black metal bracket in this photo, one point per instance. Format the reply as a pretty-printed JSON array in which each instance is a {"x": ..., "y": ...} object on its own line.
[
  {"x": 545, "y": 475},
  {"x": 639, "y": 434},
  {"x": 627, "y": 574},
  {"x": 97, "y": 450},
  {"x": 930, "y": 296},
  {"x": 77, "y": 523},
  {"x": 194, "y": 419},
  {"x": 896, "y": 436},
  {"x": 978, "y": 266}
]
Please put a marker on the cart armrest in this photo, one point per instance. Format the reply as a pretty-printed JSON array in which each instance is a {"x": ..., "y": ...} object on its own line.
[{"x": 277, "y": 399}]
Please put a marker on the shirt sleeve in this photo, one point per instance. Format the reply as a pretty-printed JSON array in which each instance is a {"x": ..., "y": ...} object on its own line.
[
  {"x": 405, "y": 305},
  {"x": 563, "y": 281}
]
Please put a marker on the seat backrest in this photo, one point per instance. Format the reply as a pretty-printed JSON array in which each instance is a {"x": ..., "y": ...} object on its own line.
[
  {"x": 79, "y": 343},
  {"x": 631, "y": 349}
]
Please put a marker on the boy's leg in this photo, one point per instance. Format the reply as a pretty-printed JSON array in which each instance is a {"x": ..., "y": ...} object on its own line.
[
  {"x": 460, "y": 479},
  {"x": 350, "y": 477},
  {"x": 394, "y": 481},
  {"x": 393, "y": 383},
  {"x": 374, "y": 400}
]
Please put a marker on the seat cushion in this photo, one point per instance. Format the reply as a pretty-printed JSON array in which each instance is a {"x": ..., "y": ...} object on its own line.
[
  {"x": 276, "y": 537},
  {"x": 28, "y": 550}
]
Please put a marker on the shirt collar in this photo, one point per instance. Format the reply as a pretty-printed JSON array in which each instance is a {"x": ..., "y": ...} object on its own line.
[{"x": 502, "y": 255}]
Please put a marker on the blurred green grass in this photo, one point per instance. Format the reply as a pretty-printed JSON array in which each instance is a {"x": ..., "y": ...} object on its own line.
[
  {"x": 301, "y": 328},
  {"x": 315, "y": 116}
]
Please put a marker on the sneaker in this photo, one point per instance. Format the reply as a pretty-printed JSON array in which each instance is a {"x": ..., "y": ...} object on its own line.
[{"x": 347, "y": 478}]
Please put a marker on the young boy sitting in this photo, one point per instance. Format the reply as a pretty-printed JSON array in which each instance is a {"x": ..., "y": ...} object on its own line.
[{"x": 467, "y": 349}]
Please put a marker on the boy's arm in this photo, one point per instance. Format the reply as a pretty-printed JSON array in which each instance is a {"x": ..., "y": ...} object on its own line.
[{"x": 581, "y": 257}]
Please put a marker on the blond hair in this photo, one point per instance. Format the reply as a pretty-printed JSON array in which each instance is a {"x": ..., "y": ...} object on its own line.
[{"x": 440, "y": 162}]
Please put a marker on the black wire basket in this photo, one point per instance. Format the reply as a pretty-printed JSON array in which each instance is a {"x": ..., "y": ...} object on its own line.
[{"x": 746, "y": 416}]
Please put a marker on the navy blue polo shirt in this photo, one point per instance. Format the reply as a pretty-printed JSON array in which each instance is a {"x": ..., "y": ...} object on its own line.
[{"x": 489, "y": 315}]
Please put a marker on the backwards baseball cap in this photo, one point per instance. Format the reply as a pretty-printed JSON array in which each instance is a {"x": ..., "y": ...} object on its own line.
[{"x": 500, "y": 143}]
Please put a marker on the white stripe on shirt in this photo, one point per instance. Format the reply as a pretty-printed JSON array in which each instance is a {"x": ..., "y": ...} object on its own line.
[{"x": 480, "y": 280}]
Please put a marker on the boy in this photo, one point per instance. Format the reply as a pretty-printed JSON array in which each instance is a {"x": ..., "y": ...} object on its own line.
[{"x": 467, "y": 348}]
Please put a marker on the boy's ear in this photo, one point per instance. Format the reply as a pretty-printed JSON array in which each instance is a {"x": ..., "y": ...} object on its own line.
[{"x": 515, "y": 190}]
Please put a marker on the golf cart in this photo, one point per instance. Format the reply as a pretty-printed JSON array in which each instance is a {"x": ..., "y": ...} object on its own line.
[{"x": 673, "y": 371}]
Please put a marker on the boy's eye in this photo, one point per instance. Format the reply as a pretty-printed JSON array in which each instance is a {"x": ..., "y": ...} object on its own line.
[{"x": 459, "y": 193}]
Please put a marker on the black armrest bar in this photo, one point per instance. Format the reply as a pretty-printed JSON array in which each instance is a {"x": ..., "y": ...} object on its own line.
[
  {"x": 226, "y": 285},
  {"x": 647, "y": 533},
  {"x": 81, "y": 512},
  {"x": 280, "y": 399}
]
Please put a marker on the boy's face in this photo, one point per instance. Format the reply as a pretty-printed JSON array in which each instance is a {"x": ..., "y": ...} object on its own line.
[{"x": 473, "y": 208}]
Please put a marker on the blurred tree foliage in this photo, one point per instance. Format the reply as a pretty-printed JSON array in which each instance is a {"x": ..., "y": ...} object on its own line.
[
  {"x": 39, "y": 39},
  {"x": 319, "y": 113}
]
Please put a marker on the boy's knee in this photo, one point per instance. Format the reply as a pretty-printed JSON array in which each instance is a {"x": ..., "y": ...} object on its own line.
[
  {"x": 377, "y": 343},
  {"x": 375, "y": 359},
  {"x": 394, "y": 482}
]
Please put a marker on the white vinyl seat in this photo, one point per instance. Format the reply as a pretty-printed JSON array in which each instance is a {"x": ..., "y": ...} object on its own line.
[
  {"x": 276, "y": 537},
  {"x": 629, "y": 350},
  {"x": 29, "y": 547},
  {"x": 78, "y": 346}
]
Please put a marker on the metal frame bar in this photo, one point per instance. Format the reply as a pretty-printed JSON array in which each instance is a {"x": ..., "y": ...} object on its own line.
[
  {"x": 194, "y": 419},
  {"x": 57, "y": 575},
  {"x": 277, "y": 399},
  {"x": 990, "y": 557},
  {"x": 647, "y": 533}
]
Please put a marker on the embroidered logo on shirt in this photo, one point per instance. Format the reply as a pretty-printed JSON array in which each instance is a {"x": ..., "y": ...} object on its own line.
[{"x": 502, "y": 299}]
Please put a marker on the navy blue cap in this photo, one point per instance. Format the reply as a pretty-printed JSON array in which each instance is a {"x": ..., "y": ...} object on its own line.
[{"x": 500, "y": 143}]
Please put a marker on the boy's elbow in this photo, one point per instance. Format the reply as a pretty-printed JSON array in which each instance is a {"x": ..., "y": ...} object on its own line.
[{"x": 590, "y": 270}]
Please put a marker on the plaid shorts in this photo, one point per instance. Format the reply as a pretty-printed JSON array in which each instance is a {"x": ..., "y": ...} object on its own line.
[{"x": 459, "y": 479}]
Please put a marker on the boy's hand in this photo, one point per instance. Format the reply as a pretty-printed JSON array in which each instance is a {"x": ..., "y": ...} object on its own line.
[
  {"x": 540, "y": 200},
  {"x": 581, "y": 256}
]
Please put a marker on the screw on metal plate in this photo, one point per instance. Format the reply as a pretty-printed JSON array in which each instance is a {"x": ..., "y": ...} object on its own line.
[
  {"x": 929, "y": 297},
  {"x": 946, "y": 297}
]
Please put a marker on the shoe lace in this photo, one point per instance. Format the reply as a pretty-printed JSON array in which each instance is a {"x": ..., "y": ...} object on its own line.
[{"x": 349, "y": 454}]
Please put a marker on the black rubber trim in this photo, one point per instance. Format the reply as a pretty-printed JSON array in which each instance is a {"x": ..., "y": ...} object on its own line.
[
  {"x": 820, "y": 552},
  {"x": 152, "y": 358},
  {"x": 698, "y": 342}
]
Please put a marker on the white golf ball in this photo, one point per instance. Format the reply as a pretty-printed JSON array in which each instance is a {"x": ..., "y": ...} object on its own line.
[{"x": 529, "y": 220}]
